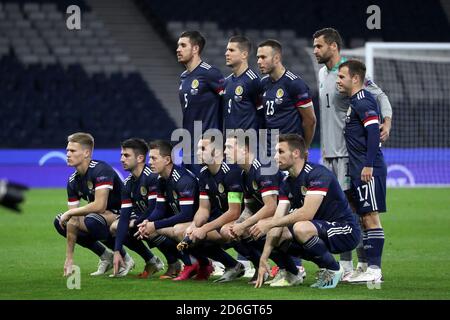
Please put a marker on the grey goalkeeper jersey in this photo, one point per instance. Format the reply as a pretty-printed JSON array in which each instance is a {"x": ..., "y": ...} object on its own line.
[{"x": 333, "y": 109}]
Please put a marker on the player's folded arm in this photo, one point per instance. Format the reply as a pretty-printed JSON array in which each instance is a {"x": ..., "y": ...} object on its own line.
[
  {"x": 203, "y": 212},
  {"x": 186, "y": 214}
]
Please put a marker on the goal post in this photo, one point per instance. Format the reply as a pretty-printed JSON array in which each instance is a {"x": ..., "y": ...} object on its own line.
[{"x": 388, "y": 51}]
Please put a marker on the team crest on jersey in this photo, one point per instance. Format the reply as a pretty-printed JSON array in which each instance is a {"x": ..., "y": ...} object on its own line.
[
  {"x": 279, "y": 96},
  {"x": 220, "y": 188},
  {"x": 194, "y": 86},
  {"x": 90, "y": 185},
  {"x": 280, "y": 93},
  {"x": 143, "y": 191},
  {"x": 238, "y": 93},
  {"x": 303, "y": 190},
  {"x": 175, "y": 196},
  {"x": 349, "y": 112},
  {"x": 255, "y": 185}
]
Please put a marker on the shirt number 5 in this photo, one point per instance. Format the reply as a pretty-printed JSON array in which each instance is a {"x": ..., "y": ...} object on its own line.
[{"x": 185, "y": 101}]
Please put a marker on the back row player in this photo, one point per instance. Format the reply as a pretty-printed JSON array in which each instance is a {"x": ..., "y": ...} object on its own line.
[{"x": 232, "y": 103}]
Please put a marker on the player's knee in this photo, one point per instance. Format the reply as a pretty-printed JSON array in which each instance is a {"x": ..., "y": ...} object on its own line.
[
  {"x": 113, "y": 228},
  {"x": 74, "y": 222},
  {"x": 59, "y": 229},
  {"x": 302, "y": 232},
  {"x": 178, "y": 231},
  {"x": 371, "y": 221},
  {"x": 96, "y": 226},
  {"x": 224, "y": 233}
]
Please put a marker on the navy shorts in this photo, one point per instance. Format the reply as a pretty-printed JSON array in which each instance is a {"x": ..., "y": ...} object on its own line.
[
  {"x": 369, "y": 197},
  {"x": 338, "y": 236}
]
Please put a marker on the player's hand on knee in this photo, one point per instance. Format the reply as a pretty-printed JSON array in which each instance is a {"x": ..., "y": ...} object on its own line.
[
  {"x": 63, "y": 220},
  {"x": 142, "y": 224},
  {"x": 226, "y": 230},
  {"x": 189, "y": 230},
  {"x": 197, "y": 234},
  {"x": 141, "y": 233},
  {"x": 236, "y": 231},
  {"x": 255, "y": 231}
]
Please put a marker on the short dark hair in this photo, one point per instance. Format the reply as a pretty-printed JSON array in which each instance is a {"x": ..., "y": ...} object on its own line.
[
  {"x": 138, "y": 145},
  {"x": 295, "y": 142},
  {"x": 355, "y": 67},
  {"x": 243, "y": 42},
  {"x": 196, "y": 39},
  {"x": 330, "y": 35},
  {"x": 274, "y": 44},
  {"x": 164, "y": 147}
]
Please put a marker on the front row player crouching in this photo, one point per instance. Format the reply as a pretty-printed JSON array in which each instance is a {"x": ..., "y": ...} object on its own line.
[
  {"x": 321, "y": 223},
  {"x": 138, "y": 201},
  {"x": 220, "y": 204},
  {"x": 261, "y": 195},
  {"x": 99, "y": 184},
  {"x": 177, "y": 202}
]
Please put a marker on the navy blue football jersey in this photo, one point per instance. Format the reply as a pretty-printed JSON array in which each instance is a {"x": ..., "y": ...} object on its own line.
[
  {"x": 178, "y": 191},
  {"x": 281, "y": 100},
  {"x": 257, "y": 185},
  {"x": 242, "y": 99},
  {"x": 316, "y": 179},
  {"x": 140, "y": 193},
  {"x": 99, "y": 175},
  {"x": 199, "y": 93},
  {"x": 215, "y": 188},
  {"x": 362, "y": 113}
]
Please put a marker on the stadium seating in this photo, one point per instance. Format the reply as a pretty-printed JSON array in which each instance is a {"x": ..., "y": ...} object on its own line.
[
  {"x": 408, "y": 93},
  {"x": 306, "y": 17},
  {"x": 54, "y": 81},
  {"x": 51, "y": 78}
]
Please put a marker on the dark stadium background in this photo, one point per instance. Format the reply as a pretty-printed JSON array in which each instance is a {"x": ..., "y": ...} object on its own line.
[{"x": 117, "y": 77}]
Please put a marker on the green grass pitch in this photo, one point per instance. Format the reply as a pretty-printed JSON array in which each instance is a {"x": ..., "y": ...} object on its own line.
[{"x": 416, "y": 259}]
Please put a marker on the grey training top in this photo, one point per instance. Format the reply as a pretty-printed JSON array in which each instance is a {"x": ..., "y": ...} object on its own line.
[{"x": 333, "y": 109}]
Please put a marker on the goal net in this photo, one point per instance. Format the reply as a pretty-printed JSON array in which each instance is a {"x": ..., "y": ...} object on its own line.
[{"x": 416, "y": 78}]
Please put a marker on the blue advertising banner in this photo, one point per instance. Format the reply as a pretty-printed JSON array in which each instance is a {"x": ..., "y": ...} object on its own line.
[{"x": 47, "y": 168}]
